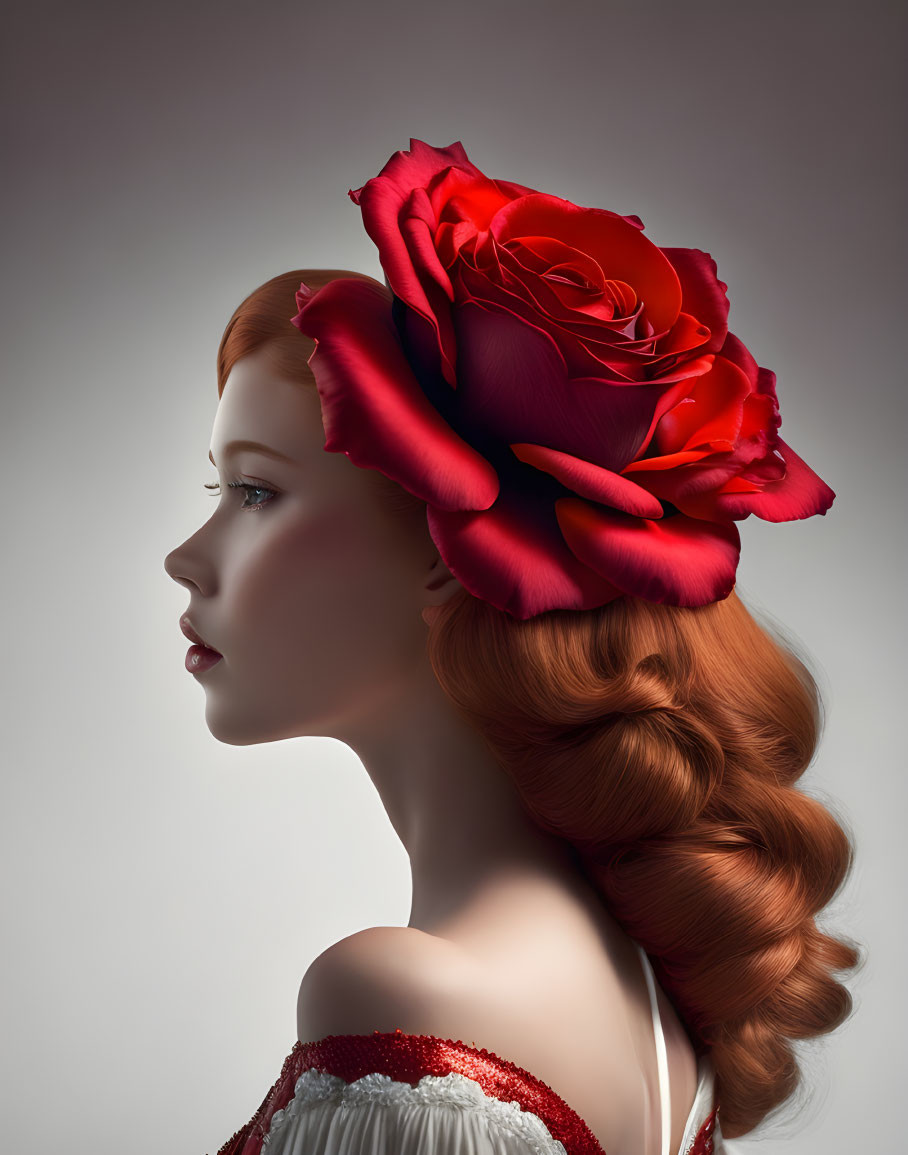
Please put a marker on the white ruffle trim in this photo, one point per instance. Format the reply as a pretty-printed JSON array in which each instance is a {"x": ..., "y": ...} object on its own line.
[{"x": 315, "y": 1087}]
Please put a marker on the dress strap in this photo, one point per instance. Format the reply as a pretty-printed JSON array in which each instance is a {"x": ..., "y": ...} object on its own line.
[{"x": 661, "y": 1053}]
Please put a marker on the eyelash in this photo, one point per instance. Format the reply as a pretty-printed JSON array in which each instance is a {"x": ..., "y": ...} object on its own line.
[{"x": 216, "y": 485}]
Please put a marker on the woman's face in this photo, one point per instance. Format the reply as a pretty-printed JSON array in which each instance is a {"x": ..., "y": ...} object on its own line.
[{"x": 312, "y": 592}]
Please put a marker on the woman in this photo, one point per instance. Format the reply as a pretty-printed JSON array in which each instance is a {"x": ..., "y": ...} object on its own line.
[{"x": 508, "y": 586}]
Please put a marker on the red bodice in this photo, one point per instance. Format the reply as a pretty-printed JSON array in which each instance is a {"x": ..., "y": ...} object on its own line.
[{"x": 406, "y": 1058}]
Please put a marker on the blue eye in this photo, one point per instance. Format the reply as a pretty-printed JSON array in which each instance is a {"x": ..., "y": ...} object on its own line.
[{"x": 216, "y": 486}]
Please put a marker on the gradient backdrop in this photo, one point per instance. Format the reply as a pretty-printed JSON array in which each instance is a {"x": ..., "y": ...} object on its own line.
[{"x": 163, "y": 893}]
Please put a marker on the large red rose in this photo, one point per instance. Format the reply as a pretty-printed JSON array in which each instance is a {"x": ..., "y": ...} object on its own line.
[{"x": 563, "y": 394}]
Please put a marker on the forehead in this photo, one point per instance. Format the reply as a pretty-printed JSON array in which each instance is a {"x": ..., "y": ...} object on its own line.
[{"x": 257, "y": 404}]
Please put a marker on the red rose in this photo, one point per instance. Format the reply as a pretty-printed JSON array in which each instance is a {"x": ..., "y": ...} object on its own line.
[{"x": 563, "y": 394}]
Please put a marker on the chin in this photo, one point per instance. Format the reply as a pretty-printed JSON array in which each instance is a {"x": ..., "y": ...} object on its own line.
[
  {"x": 233, "y": 737},
  {"x": 233, "y": 730},
  {"x": 236, "y": 729}
]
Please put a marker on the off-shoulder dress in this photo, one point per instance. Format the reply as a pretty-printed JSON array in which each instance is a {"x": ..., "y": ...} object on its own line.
[{"x": 392, "y": 1093}]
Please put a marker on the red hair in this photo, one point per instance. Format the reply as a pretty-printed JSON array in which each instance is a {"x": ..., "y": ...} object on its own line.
[
  {"x": 263, "y": 318},
  {"x": 663, "y": 743}
]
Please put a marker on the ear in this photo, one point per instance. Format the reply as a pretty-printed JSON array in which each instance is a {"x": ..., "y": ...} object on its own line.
[{"x": 440, "y": 585}]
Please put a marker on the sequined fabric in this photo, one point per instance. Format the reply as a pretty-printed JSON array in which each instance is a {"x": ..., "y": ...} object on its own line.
[
  {"x": 704, "y": 1143},
  {"x": 406, "y": 1059}
]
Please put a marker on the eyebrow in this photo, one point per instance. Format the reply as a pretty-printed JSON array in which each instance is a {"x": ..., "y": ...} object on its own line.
[{"x": 255, "y": 446}]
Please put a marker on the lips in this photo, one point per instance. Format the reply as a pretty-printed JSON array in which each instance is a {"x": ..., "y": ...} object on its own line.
[{"x": 190, "y": 633}]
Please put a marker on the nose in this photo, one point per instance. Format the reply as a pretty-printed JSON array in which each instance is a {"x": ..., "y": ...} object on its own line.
[
  {"x": 193, "y": 564},
  {"x": 186, "y": 568},
  {"x": 173, "y": 567}
]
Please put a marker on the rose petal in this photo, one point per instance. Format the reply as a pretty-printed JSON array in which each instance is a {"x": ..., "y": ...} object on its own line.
[
  {"x": 589, "y": 480},
  {"x": 589, "y": 349},
  {"x": 623, "y": 252},
  {"x": 605, "y": 309},
  {"x": 678, "y": 560},
  {"x": 612, "y": 362},
  {"x": 382, "y": 199},
  {"x": 711, "y": 412},
  {"x": 513, "y": 556},
  {"x": 373, "y": 408},
  {"x": 678, "y": 344},
  {"x": 513, "y": 385},
  {"x": 513, "y": 189},
  {"x": 734, "y": 350},
  {"x": 417, "y": 227},
  {"x": 414, "y": 168},
  {"x": 799, "y": 494},
  {"x": 575, "y": 279},
  {"x": 433, "y": 300},
  {"x": 761, "y": 415},
  {"x": 703, "y": 295},
  {"x": 457, "y": 197}
]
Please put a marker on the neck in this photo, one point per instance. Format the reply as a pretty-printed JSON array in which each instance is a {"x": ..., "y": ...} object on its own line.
[{"x": 459, "y": 816}]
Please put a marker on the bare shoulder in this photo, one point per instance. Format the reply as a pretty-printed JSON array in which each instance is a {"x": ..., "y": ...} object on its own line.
[
  {"x": 380, "y": 979},
  {"x": 579, "y": 1039}
]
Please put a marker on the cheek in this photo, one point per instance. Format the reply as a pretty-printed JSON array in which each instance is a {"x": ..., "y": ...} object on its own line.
[{"x": 329, "y": 585}]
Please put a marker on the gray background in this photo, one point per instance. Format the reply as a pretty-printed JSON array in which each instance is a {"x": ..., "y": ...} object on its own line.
[{"x": 164, "y": 893}]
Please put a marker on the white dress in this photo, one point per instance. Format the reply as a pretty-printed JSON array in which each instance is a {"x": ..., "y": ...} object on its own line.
[{"x": 398, "y": 1094}]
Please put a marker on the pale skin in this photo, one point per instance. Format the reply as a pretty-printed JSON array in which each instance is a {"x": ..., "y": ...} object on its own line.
[{"x": 318, "y": 603}]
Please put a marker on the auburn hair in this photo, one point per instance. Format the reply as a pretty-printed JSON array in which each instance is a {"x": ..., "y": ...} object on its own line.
[{"x": 664, "y": 744}]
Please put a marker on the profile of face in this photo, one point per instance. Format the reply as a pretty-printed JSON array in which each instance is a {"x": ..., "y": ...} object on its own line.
[{"x": 310, "y": 589}]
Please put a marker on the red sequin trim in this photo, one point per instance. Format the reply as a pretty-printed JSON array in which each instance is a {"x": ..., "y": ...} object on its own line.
[
  {"x": 703, "y": 1144},
  {"x": 406, "y": 1058}
]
